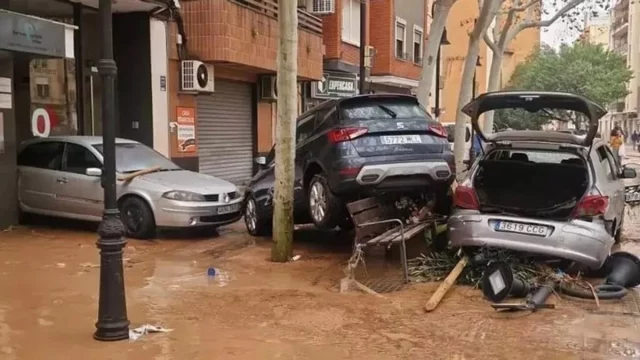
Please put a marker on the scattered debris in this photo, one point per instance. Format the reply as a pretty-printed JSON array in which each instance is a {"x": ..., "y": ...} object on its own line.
[
  {"x": 446, "y": 284},
  {"x": 296, "y": 258},
  {"x": 135, "y": 334},
  {"x": 61, "y": 265}
]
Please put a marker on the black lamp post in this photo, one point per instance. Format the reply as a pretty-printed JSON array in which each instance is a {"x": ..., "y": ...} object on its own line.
[
  {"x": 112, "y": 308},
  {"x": 443, "y": 41}
]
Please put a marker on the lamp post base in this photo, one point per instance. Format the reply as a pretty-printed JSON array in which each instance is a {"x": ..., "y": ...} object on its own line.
[{"x": 112, "y": 322}]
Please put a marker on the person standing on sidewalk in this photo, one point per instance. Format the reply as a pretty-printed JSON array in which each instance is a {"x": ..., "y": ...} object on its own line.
[
  {"x": 635, "y": 137},
  {"x": 615, "y": 142}
]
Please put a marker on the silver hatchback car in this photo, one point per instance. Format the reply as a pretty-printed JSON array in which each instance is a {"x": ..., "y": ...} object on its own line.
[
  {"x": 547, "y": 194},
  {"x": 61, "y": 176}
]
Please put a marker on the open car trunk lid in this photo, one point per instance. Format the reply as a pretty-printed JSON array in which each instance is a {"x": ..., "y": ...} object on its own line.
[
  {"x": 534, "y": 101},
  {"x": 391, "y": 125},
  {"x": 531, "y": 183}
]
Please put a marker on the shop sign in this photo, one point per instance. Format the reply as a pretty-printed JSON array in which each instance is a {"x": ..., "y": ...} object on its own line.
[
  {"x": 186, "y": 126},
  {"x": 40, "y": 123},
  {"x": 335, "y": 85},
  {"x": 31, "y": 34}
]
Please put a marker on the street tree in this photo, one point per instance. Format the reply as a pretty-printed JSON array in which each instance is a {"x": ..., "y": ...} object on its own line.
[
  {"x": 517, "y": 16},
  {"x": 281, "y": 250},
  {"x": 440, "y": 12},
  {"x": 488, "y": 11},
  {"x": 582, "y": 68}
]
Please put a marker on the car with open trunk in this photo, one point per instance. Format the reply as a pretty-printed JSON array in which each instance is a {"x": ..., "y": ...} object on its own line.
[{"x": 550, "y": 194}]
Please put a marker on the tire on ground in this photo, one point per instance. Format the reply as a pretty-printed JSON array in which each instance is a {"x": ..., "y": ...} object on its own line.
[{"x": 335, "y": 212}]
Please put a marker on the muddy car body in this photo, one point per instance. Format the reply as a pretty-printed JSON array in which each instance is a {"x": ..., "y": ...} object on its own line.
[{"x": 551, "y": 194}]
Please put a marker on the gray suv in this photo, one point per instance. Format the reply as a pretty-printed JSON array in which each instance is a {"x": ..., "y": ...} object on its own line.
[{"x": 355, "y": 147}]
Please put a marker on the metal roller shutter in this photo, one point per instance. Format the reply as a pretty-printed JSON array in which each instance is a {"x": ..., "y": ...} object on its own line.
[{"x": 224, "y": 136}]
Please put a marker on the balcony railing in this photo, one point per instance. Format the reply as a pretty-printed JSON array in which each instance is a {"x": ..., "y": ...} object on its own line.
[{"x": 306, "y": 21}]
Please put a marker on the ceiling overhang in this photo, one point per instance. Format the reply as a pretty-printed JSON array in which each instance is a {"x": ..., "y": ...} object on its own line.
[{"x": 391, "y": 80}]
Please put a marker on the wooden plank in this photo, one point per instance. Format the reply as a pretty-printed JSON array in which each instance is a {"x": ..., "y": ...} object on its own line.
[
  {"x": 446, "y": 285},
  {"x": 395, "y": 235},
  {"x": 360, "y": 205}
]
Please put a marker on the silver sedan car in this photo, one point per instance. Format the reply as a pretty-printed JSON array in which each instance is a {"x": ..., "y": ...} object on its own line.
[
  {"x": 61, "y": 176},
  {"x": 550, "y": 194}
]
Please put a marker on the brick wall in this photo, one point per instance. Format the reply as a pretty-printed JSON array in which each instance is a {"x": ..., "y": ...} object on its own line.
[{"x": 335, "y": 48}]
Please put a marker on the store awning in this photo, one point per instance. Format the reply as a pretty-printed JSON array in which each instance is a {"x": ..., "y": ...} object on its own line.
[
  {"x": 34, "y": 35},
  {"x": 391, "y": 80}
]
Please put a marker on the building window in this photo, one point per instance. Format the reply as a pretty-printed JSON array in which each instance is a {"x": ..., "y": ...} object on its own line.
[
  {"x": 418, "y": 40},
  {"x": 351, "y": 22},
  {"x": 401, "y": 39},
  {"x": 42, "y": 87}
]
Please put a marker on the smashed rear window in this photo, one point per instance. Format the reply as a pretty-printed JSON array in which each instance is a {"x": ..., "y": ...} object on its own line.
[{"x": 382, "y": 109}]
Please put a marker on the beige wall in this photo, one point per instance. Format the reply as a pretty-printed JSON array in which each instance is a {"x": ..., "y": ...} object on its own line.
[{"x": 459, "y": 25}]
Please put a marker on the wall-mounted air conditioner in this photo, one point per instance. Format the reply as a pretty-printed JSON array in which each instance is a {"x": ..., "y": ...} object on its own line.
[
  {"x": 268, "y": 87},
  {"x": 196, "y": 76},
  {"x": 369, "y": 54}
]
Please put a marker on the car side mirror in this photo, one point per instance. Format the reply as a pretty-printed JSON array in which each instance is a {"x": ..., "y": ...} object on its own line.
[
  {"x": 260, "y": 160},
  {"x": 628, "y": 173},
  {"x": 94, "y": 172}
]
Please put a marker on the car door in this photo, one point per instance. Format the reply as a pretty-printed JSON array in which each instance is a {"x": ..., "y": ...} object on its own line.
[
  {"x": 80, "y": 194},
  {"x": 38, "y": 168},
  {"x": 608, "y": 182},
  {"x": 263, "y": 183}
]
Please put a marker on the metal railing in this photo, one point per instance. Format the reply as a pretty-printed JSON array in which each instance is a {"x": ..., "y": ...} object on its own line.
[{"x": 306, "y": 21}]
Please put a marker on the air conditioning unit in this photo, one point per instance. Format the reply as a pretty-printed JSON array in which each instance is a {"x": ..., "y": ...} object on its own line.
[
  {"x": 321, "y": 7},
  {"x": 268, "y": 87},
  {"x": 196, "y": 76}
]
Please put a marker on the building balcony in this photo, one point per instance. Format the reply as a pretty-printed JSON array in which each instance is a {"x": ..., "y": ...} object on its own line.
[{"x": 243, "y": 34}]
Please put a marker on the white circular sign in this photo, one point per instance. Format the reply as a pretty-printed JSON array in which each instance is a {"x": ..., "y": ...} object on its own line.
[{"x": 34, "y": 123}]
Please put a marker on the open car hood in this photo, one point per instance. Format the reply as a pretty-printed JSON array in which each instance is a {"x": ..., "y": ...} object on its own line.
[{"x": 534, "y": 101}]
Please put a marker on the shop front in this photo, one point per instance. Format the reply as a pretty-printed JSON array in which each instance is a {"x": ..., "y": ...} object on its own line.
[{"x": 34, "y": 100}]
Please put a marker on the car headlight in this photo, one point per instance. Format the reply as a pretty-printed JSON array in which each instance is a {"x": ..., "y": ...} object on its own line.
[{"x": 183, "y": 196}]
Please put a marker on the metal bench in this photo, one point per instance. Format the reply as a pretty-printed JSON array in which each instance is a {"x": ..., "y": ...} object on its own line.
[{"x": 375, "y": 226}]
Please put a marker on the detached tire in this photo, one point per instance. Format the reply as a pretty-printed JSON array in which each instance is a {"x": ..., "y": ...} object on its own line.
[
  {"x": 326, "y": 209},
  {"x": 137, "y": 218},
  {"x": 255, "y": 224}
]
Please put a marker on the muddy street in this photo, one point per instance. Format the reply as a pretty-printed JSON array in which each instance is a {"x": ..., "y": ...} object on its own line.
[{"x": 255, "y": 309}]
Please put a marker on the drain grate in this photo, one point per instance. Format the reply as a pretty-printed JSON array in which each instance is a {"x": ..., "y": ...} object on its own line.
[{"x": 380, "y": 273}]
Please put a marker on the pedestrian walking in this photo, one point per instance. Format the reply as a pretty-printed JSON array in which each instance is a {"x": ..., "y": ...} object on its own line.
[
  {"x": 615, "y": 142},
  {"x": 635, "y": 137}
]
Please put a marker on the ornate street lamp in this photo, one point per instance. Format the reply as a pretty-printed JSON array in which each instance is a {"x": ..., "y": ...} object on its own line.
[
  {"x": 112, "y": 322},
  {"x": 443, "y": 41}
]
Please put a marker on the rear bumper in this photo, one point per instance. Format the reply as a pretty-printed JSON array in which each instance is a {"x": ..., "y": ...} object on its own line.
[
  {"x": 584, "y": 242},
  {"x": 403, "y": 176}
]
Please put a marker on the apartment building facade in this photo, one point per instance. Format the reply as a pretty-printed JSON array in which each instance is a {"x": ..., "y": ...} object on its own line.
[
  {"x": 218, "y": 126},
  {"x": 624, "y": 31}
]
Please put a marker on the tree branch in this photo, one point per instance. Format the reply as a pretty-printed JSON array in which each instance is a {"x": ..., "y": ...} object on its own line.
[
  {"x": 492, "y": 45},
  {"x": 544, "y": 23}
]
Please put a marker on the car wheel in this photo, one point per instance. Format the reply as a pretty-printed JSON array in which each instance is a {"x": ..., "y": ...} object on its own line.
[
  {"x": 326, "y": 209},
  {"x": 256, "y": 225},
  {"x": 137, "y": 218}
]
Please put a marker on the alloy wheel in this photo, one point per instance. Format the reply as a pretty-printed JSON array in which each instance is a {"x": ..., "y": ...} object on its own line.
[
  {"x": 318, "y": 202},
  {"x": 133, "y": 218},
  {"x": 250, "y": 217}
]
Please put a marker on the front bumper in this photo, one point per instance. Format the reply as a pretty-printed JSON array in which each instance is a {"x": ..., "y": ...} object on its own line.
[
  {"x": 586, "y": 243},
  {"x": 183, "y": 214}
]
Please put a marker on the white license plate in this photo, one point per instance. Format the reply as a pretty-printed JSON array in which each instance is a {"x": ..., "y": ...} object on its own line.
[
  {"x": 632, "y": 197},
  {"x": 228, "y": 209},
  {"x": 528, "y": 229},
  {"x": 401, "y": 139}
]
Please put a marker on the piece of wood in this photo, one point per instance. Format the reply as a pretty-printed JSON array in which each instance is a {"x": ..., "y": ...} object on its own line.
[
  {"x": 446, "y": 284},
  {"x": 130, "y": 177}
]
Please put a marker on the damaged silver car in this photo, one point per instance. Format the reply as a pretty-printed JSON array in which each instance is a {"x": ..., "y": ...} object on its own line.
[{"x": 549, "y": 194}]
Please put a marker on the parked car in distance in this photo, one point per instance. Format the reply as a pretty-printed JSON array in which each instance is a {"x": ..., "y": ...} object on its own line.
[
  {"x": 61, "y": 176},
  {"x": 546, "y": 193},
  {"x": 354, "y": 147}
]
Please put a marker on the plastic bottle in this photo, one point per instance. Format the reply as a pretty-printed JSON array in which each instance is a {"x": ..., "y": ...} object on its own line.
[{"x": 211, "y": 275}]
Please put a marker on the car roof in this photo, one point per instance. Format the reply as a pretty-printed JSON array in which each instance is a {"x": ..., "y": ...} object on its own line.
[
  {"x": 77, "y": 139},
  {"x": 538, "y": 136}
]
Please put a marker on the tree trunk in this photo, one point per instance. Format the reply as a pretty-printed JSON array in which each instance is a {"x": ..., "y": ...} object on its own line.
[
  {"x": 487, "y": 13},
  {"x": 493, "y": 84},
  {"x": 281, "y": 250},
  {"x": 441, "y": 11}
]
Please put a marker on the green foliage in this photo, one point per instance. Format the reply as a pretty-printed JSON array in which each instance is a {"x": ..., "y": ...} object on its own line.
[{"x": 582, "y": 68}]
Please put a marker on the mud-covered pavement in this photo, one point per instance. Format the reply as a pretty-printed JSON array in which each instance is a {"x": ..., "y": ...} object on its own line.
[{"x": 255, "y": 309}]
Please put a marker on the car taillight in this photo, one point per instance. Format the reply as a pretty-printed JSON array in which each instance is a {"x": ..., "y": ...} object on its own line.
[
  {"x": 465, "y": 198},
  {"x": 591, "y": 205},
  {"x": 438, "y": 129},
  {"x": 346, "y": 134}
]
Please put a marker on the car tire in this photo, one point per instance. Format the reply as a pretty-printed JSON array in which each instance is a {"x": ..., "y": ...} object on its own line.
[
  {"x": 255, "y": 224},
  {"x": 326, "y": 209},
  {"x": 137, "y": 217}
]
